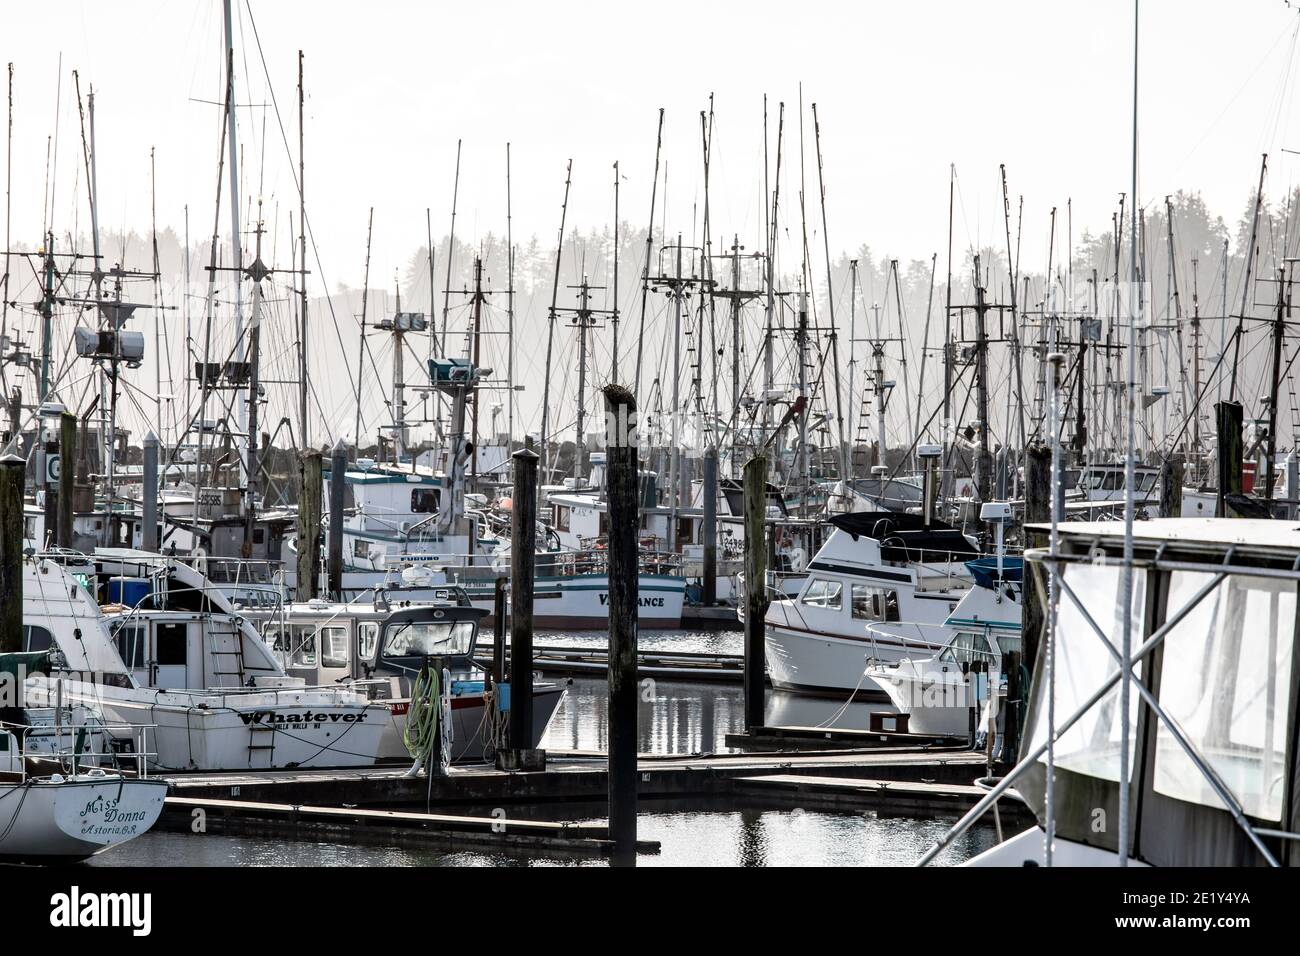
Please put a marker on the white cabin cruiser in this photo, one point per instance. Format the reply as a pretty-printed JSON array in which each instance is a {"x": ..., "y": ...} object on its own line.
[
  {"x": 178, "y": 658},
  {"x": 938, "y": 692},
  {"x": 877, "y": 567},
  {"x": 1214, "y": 633}
]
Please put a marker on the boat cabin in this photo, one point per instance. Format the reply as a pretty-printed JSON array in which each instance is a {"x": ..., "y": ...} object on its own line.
[
  {"x": 1214, "y": 614},
  {"x": 327, "y": 643}
]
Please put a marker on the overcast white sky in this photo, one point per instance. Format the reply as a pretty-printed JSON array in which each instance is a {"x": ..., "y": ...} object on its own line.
[{"x": 903, "y": 89}]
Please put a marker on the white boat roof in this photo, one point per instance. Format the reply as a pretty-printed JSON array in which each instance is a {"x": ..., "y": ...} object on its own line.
[{"x": 1215, "y": 532}]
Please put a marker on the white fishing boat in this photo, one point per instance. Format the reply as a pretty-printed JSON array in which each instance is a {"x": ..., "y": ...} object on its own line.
[
  {"x": 179, "y": 659},
  {"x": 57, "y": 803},
  {"x": 939, "y": 692},
  {"x": 377, "y": 648},
  {"x": 1213, "y": 754},
  {"x": 875, "y": 568}
]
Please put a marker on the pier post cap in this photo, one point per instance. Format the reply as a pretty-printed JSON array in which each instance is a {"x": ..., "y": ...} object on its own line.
[
  {"x": 151, "y": 438},
  {"x": 340, "y": 448},
  {"x": 11, "y": 460},
  {"x": 526, "y": 454}
]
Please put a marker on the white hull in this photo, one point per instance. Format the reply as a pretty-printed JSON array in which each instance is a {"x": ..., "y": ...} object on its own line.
[
  {"x": 577, "y": 601},
  {"x": 936, "y": 705},
  {"x": 264, "y": 730},
  {"x": 72, "y": 819},
  {"x": 1026, "y": 849},
  {"x": 823, "y": 663}
]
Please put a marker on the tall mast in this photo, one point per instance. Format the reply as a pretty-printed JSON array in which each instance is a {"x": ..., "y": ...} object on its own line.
[
  {"x": 1130, "y": 471},
  {"x": 474, "y": 355},
  {"x": 399, "y": 379},
  {"x": 948, "y": 429},
  {"x": 550, "y": 331},
  {"x": 853, "y": 338},
  {"x": 649, "y": 243},
  {"x": 1196, "y": 364},
  {"x": 580, "y": 446},
  {"x": 1279, "y": 329},
  {"x": 257, "y": 272},
  {"x": 510, "y": 313},
  {"x": 303, "y": 420},
  {"x": 451, "y": 254},
  {"x": 361, "y": 352},
  {"x": 613, "y": 372},
  {"x": 769, "y": 318},
  {"x": 843, "y": 448},
  {"x": 236, "y": 253},
  {"x": 1245, "y": 286}
]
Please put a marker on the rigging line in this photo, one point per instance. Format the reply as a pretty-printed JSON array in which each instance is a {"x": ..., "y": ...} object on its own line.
[{"x": 320, "y": 267}]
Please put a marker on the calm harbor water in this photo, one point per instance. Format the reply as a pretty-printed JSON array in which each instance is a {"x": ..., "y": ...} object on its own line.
[
  {"x": 687, "y": 838},
  {"x": 676, "y": 717},
  {"x": 683, "y": 717}
]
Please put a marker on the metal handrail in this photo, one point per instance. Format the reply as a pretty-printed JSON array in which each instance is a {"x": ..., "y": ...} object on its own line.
[{"x": 139, "y": 753}]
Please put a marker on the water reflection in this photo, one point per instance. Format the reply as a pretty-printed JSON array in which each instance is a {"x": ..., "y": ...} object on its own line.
[
  {"x": 743, "y": 837},
  {"x": 689, "y": 717}
]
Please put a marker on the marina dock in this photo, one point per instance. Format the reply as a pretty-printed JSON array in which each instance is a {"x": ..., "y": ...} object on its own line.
[{"x": 571, "y": 776}]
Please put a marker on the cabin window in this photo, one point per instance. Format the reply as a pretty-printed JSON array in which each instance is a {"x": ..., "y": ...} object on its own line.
[
  {"x": 823, "y": 593},
  {"x": 360, "y": 549},
  {"x": 420, "y": 638},
  {"x": 129, "y": 640},
  {"x": 424, "y": 501},
  {"x": 36, "y": 638},
  {"x": 1091, "y": 746},
  {"x": 873, "y": 604},
  {"x": 304, "y": 646},
  {"x": 367, "y": 638},
  {"x": 1226, "y": 679},
  {"x": 863, "y": 607},
  {"x": 334, "y": 646},
  {"x": 561, "y": 518},
  {"x": 171, "y": 642},
  {"x": 888, "y": 605}
]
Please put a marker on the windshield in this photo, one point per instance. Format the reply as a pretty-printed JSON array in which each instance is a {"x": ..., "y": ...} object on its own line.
[{"x": 418, "y": 638}]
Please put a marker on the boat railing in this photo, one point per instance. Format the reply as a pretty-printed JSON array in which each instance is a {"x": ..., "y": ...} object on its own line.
[
  {"x": 72, "y": 760},
  {"x": 591, "y": 560}
]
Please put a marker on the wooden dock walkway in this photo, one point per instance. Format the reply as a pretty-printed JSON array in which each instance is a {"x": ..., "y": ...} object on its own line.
[
  {"x": 570, "y": 776},
  {"x": 389, "y": 827}
]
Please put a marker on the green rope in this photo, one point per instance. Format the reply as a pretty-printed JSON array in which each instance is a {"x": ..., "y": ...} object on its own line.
[{"x": 422, "y": 717}]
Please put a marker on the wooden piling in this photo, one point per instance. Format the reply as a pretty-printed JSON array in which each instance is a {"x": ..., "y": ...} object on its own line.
[
  {"x": 1171, "y": 488},
  {"x": 523, "y": 547},
  {"x": 624, "y": 528},
  {"x": 710, "y": 528},
  {"x": 755, "y": 479},
  {"x": 12, "y": 473},
  {"x": 338, "y": 500},
  {"x": 148, "y": 494},
  {"x": 309, "y": 507},
  {"x": 501, "y": 621},
  {"x": 1227, "y": 424},
  {"x": 67, "y": 478}
]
